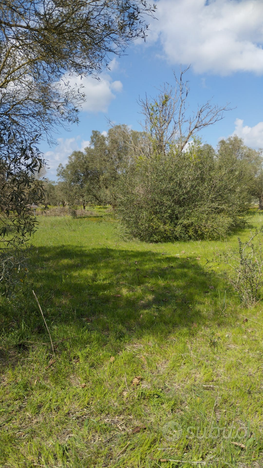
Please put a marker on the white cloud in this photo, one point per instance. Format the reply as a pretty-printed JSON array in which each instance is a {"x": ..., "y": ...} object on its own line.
[
  {"x": 217, "y": 36},
  {"x": 84, "y": 144},
  {"x": 116, "y": 86},
  {"x": 252, "y": 136},
  {"x": 113, "y": 65},
  {"x": 98, "y": 92}
]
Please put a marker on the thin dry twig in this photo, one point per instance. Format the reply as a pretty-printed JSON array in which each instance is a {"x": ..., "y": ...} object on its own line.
[
  {"x": 242, "y": 446},
  {"x": 51, "y": 342},
  {"x": 123, "y": 450}
]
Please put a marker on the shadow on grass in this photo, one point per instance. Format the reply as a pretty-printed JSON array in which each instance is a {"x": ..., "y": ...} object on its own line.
[{"x": 114, "y": 295}]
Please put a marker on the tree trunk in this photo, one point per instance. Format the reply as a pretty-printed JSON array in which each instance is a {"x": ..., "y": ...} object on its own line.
[{"x": 260, "y": 203}]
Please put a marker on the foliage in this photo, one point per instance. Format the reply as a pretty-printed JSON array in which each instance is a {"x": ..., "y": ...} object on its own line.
[
  {"x": 247, "y": 269},
  {"x": 178, "y": 188},
  {"x": 19, "y": 188},
  {"x": 50, "y": 193},
  {"x": 43, "y": 42},
  {"x": 195, "y": 194},
  {"x": 232, "y": 151},
  {"x": 91, "y": 176},
  {"x": 19, "y": 191},
  {"x": 257, "y": 187}
]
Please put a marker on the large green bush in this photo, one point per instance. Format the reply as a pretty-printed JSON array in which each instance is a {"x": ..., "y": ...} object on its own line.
[{"x": 194, "y": 194}]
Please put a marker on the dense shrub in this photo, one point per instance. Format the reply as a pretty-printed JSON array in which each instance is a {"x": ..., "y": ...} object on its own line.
[{"x": 195, "y": 194}]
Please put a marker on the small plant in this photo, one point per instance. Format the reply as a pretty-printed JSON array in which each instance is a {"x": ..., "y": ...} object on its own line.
[{"x": 247, "y": 265}]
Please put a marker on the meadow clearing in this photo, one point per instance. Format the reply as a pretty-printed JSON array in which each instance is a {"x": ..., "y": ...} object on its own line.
[{"x": 156, "y": 362}]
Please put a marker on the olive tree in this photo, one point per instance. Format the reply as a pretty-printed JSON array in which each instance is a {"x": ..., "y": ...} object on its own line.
[
  {"x": 257, "y": 189},
  {"x": 180, "y": 188},
  {"x": 90, "y": 176},
  {"x": 183, "y": 195},
  {"x": 42, "y": 43}
]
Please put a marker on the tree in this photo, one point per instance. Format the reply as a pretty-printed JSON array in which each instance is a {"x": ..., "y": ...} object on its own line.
[
  {"x": 61, "y": 194},
  {"x": 50, "y": 193},
  {"x": 80, "y": 179},
  {"x": 19, "y": 190},
  {"x": 166, "y": 120},
  {"x": 179, "y": 188},
  {"x": 233, "y": 151},
  {"x": 91, "y": 176},
  {"x": 181, "y": 196},
  {"x": 257, "y": 189},
  {"x": 42, "y": 43}
]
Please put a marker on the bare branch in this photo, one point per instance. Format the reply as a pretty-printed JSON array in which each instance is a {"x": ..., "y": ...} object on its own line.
[{"x": 166, "y": 118}]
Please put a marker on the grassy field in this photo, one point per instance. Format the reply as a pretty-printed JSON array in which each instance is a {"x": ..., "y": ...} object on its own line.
[{"x": 156, "y": 363}]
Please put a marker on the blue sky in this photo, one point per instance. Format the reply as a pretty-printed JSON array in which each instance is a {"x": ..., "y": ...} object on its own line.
[{"x": 222, "y": 40}]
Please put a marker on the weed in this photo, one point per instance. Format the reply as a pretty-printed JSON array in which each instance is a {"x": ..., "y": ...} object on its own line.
[{"x": 247, "y": 265}]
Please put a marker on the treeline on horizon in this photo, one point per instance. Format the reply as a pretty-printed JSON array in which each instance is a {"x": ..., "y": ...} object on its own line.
[{"x": 160, "y": 190}]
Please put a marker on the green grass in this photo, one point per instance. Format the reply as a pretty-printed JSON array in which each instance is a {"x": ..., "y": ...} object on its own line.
[
  {"x": 78, "y": 211},
  {"x": 156, "y": 362}
]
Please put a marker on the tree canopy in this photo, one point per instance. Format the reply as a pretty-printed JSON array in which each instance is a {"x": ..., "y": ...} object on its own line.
[
  {"x": 195, "y": 194},
  {"x": 90, "y": 176},
  {"x": 43, "y": 41},
  {"x": 180, "y": 188}
]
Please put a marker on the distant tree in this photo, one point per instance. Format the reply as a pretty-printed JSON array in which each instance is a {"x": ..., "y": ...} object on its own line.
[
  {"x": 50, "y": 193},
  {"x": 232, "y": 152},
  {"x": 257, "y": 189},
  {"x": 61, "y": 193},
  {"x": 91, "y": 176},
  {"x": 80, "y": 180}
]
